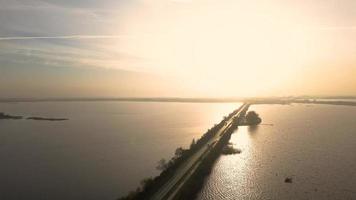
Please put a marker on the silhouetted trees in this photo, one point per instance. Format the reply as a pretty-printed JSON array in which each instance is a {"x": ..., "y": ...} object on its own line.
[
  {"x": 145, "y": 183},
  {"x": 162, "y": 165},
  {"x": 179, "y": 152},
  {"x": 194, "y": 184},
  {"x": 192, "y": 144},
  {"x": 168, "y": 168},
  {"x": 252, "y": 118}
]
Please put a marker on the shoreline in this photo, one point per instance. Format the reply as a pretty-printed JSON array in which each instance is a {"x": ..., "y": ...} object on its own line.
[{"x": 350, "y": 101}]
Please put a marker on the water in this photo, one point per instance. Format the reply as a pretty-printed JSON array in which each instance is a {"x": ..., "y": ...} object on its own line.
[
  {"x": 101, "y": 152},
  {"x": 314, "y": 145}
]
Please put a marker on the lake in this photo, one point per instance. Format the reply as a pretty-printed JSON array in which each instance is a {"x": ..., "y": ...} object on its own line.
[
  {"x": 101, "y": 152},
  {"x": 314, "y": 145}
]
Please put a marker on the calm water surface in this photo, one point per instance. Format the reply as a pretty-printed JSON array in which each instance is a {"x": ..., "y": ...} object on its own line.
[
  {"x": 101, "y": 152},
  {"x": 314, "y": 145}
]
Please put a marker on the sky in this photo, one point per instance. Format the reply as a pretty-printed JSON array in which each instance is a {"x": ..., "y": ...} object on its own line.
[{"x": 177, "y": 48}]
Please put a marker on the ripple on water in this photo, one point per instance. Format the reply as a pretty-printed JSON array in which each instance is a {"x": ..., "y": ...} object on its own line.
[{"x": 319, "y": 156}]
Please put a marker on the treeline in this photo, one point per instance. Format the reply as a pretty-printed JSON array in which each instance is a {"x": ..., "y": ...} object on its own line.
[
  {"x": 195, "y": 183},
  {"x": 150, "y": 186}
]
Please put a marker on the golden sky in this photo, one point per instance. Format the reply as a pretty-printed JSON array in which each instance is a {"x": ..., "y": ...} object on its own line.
[{"x": 205, "y": 48}]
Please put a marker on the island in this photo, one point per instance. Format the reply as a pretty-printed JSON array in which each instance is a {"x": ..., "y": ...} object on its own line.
[
  {"x": 6, "y": 116},
  {"x": 229, "y": 149},
  {"x": 46, "y": 119},
  {"x": 252, "y": 118}
]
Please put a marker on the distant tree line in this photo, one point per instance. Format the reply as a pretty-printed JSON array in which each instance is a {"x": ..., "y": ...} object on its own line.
[{"x": 196, "y": 181}]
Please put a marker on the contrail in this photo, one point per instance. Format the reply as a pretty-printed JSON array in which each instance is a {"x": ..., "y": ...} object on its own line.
[{"x": 67, "y": 37}]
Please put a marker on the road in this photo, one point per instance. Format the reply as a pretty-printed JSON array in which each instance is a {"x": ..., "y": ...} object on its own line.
[{"x": 170, "y": 189}]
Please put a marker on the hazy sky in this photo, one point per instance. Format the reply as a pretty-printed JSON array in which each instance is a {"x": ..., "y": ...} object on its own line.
[{"x": 185, "y": 48}]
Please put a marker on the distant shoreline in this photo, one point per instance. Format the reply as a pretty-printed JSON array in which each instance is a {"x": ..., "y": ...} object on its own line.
[
  {"x": 337, "y": 100},
  {"x": 139, "y": 99}
]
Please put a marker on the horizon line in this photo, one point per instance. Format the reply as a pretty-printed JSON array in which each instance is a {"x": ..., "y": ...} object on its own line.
[{"x": 170, "y": 99}]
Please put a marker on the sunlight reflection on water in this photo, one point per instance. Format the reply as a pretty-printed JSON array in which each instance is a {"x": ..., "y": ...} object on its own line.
[{"x": 297, "y": 143}]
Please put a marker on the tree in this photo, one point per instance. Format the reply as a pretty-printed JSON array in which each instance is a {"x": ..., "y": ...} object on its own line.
[
  {"x": 146, "y": 183},
  {"x": 252, "y": 118},
  {"x": 192, "y": 144},
  {"x": 162, "y": 165},
  {"x": 179, "y": 151}
]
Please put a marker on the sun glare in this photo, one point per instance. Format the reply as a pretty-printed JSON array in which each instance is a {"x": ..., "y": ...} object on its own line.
[{"x": 215, "y": 43}]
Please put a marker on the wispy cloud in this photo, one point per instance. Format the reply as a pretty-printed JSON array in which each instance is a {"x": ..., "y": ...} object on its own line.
[
  {"x": 67, "y": 37},
  {"x": 69, "y": 52}
]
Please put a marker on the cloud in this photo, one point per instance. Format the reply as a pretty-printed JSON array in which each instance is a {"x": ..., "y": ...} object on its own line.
[
  {"x": 51, "y": 18},
  {"x": 67, "y": 37},
  {"x": 69, "y": 51}
]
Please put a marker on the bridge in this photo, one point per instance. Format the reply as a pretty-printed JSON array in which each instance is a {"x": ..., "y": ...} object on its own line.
[{"x": 185, "y": 171}]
